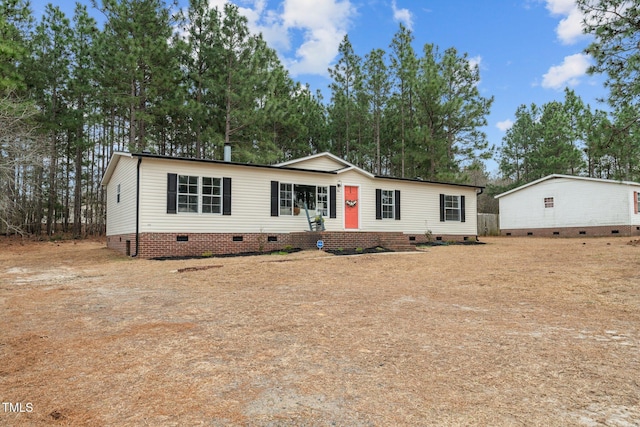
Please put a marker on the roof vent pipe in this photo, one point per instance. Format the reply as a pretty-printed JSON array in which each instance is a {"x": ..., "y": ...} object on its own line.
[{"x": 227, "y": 152}]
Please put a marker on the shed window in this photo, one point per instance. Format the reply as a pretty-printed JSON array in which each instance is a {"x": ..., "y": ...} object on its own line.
[
  {"x": 118, "y": 194},
  {"x": 548, "y": 202}
]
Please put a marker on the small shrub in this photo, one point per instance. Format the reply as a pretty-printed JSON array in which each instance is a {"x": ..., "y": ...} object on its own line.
[
  {"x": 428, "y": 235},
  {"x": 359, "y": 250},
  {"x": 207, "y": 254}
]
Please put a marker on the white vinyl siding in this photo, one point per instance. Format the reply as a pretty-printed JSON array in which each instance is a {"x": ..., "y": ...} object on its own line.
[
  {"x": 318, "y": 163},
  {"x": 121, "y": 197},
  {"x": 251, "y": 201},
  {"x": 420, "y": 206},
  {"x": 250, "y": 195}
]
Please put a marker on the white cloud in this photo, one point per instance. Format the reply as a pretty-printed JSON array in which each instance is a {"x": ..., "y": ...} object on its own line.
[
  {"x": 568, "y": 73},
  {"x": 561, "y": 7},
  {"x": 402, "y": 15},
  {"x": 569, "y": 30},
  {"x": 322, "y": 24},
  {"x": 504, "y": 125},
  {"x": 475, "y": 61}
]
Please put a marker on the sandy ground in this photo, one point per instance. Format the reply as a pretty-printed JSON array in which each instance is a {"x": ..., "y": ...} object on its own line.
[{"x": 533, "y": 332}]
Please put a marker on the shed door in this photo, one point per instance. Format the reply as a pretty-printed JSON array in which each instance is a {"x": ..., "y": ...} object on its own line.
[{"x": 351, "y": 205}]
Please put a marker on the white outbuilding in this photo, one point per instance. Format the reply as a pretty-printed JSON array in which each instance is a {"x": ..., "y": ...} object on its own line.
[{"x": 564, "y": 205}]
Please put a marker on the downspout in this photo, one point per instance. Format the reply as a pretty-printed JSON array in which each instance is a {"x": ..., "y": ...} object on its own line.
[
  {"x": 477, "y": 194},
  {"x": 137, "y": 208}
]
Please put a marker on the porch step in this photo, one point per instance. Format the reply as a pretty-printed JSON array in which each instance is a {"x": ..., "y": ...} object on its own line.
[{"x": 397, "y": 243}]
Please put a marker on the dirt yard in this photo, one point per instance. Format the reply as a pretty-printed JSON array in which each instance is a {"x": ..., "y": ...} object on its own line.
[{"x": 532, "y": 332}]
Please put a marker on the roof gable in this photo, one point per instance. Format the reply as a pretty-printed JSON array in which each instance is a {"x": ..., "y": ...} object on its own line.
[
  {"x": 111, "y": 166},
  {"x": 326, "y": 161},
  {"x": 570, "y": 177}
]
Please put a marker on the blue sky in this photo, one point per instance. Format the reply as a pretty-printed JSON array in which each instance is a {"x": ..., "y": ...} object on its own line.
[{"x": 528, "y": 51}]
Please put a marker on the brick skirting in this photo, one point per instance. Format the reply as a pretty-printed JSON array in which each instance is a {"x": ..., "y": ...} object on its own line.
[
  {"x": 598, "y": 231},
  {"x": 154, "y": 245},
  {"x": 123, "y": 243}
]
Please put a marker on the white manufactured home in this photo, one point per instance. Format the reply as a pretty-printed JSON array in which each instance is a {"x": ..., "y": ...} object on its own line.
[
  {"x": 160, "y": 206},
  {"x": 564, "y": 205}
]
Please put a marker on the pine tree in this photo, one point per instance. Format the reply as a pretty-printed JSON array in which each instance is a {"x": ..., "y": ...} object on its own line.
[
  {"x": 465, "y": 111},
  {"x": 15, "y": 22},
  {"x": 48, "y": 72},
  {"x": 616, "y": 28},
  {"x": 518, "y": 144},
  {"x": 376, "y": 87},
  {"x": 430, "y": 154},
  {"x": 81, "y": 89},
  {"x": 404, "y": 64},
  {"x": 556, "y": 152},
  {"x": 134, "y": 56},
  {"x": 449, "y": 114},
  {"x": 346, "y": 85},
  {"x": 247, "y": 68},
  {"x": 200, "y": 56},
  {"x": 20, "y": 147}
]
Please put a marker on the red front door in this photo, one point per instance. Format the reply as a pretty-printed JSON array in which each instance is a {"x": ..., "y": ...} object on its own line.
[{"x": 351, "y": 205}]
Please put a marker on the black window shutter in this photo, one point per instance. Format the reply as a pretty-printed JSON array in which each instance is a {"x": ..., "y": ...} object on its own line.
[
  {"x": 378, "y": 203},
  {"x": 275, "y": 189},
  {"x": 226, "y": 196},
  {"x": 442, "y": 207},
  {"x": 332, "y": 201},
  {"x": 462, "y": 216},
  {"x": 397, "y": 202},
  {"x": 172, "y": 192}
]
